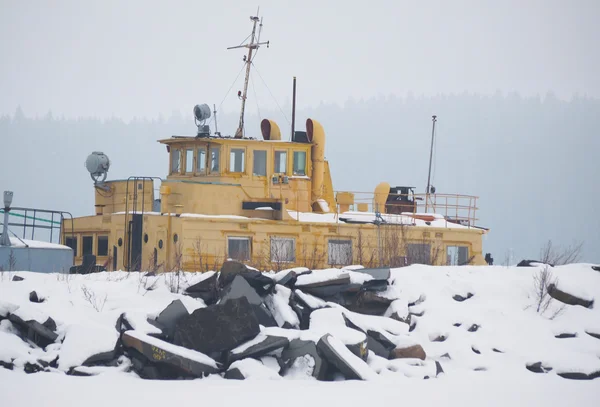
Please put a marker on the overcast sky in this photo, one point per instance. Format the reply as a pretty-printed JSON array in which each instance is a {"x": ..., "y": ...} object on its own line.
[{"x": 143, "y": 58}]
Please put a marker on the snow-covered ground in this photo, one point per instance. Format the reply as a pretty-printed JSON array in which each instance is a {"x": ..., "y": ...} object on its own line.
[{"x": 479, "y": 323}]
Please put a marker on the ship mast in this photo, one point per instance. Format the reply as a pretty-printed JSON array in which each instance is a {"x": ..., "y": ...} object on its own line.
[
  {"x": 254, "y": 44},
  {"x": 429, "y": 187}
]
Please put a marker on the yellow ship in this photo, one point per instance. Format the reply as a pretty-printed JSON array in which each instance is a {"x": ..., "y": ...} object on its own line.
[{"x": 267, "y": 202}]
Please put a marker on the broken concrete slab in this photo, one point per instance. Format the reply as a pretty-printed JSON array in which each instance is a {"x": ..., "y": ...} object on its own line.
[
  {"x": 289, "y": 280},
  {"x": 207, "y": 289},
  {"x": 259, "y": 346},
  {"x": 250, "y": 369},
  {"x": 579, "y": 375},
  {"x": 217, "y": 328},
  {"x": 337, "y": 354},
  {"x": 398, "y": 310},
  {"x": 261, "y": 283},
  {"x": 34, "y": 331},
  {"x": 381, "y": 273},
  {"x": 234, "y": 374},
  {"x": 169, "y": 317},
  {"x": 330, "y": 292},
  {"x": 238, "y": 288},
  {"x": 183, "y": 361},
  {"x": 102, "y": 358},
  {"x": 410, "y": 352},
  {"x": 567, "y": 298},
  {"x": 369, "y": 303},
  {"x": 50, "y": 324},
  {"x": 343, "y": 279},
  {"x": 301, "y": 358}
]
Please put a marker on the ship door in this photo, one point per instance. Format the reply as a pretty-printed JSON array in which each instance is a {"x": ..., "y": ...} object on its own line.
[{"x": 135, "y": 242}]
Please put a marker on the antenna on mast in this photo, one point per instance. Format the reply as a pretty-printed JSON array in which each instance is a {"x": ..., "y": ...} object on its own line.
[
  {"x": 430, "y": 189},
  {"x": 254, "y": 44}
]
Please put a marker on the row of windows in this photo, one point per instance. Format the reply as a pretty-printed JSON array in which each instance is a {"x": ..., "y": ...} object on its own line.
[
  {"x": 87, "y": 245},
  {"x": 237, "y": 161},
  {"x": 283, "y": 250}
]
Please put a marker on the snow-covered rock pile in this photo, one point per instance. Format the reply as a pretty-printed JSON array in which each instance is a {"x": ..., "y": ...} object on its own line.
[{"x": 334, "y": 324}]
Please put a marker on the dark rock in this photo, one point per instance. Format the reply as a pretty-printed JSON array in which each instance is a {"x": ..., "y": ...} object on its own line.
[
  {"x": 299, "y": 348},
  {"x": 34, "y": 331},
  {"x": 568, "y": 298},
  {"x": 102, "y": 358},
  {"x": 460, "y": 298},
  {"x": 457, "y": 324},
  {"x": 360, "y": 349},
  {"x": 169, "y": 317},
  {"x": 473, "y": 328},
  {"x": 595, "y": 268},
  {"x": 289, "y": 280},
  {"x": 474, "y": 349},
  {"x": 369, "y": 303},
  {"x": 50, "y": 324},
  {"x": 261, "y": 283},
  {"x": 329, "y": 352},
  {"x": 497, "y": 350},
  {"x": 376, "y": 342},
  {"x": 579, "y": 376},
  {"x": 206, "y": 289},
  {"x": 382, "y": 273},
  {"x": 122, "y": 324},
  {"x": 7, "y": 365},
  {"x": 446, "y": 356},
  {"x": 231, "y": 268},
  {"x": 234, "y": 374},
  {"x": 417, "y": 313},
  {"x": 413, "y": 325},
  {"x": 238, "y": 288},
  {"x": 440, "y": 338},
  {"x": 32, "y": 368},
  {"x": 410, "y": 352},
  {"x": 375, "y": 285},
  {"x": 480, "y": 369},
  {"x": 263, "y": 315},
  {"x": 593, "y": 334},
  {"x": 33, "y": 297},
  {"x": 438, "y": 368},
  {"x": 566, "y": 335},
  {"x": 330, "y": 291},
  {"x": 74, "y": 371},
  {"x": 17, "y": 278},
  {"x": 217, "y": 328},
  {"x": 169, "y": 361},
  {"x": 538, "y": 368},
  {"x": 269, "y": 344},
  {"x": 301, "y": 309},
  {"x": 530, "y": 263},
  {"x": 150, "y": 274}
]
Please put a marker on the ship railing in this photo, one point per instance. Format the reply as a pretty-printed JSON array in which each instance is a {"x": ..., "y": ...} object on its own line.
[
  {"x": 30, "y": 222},
  {"x": 455, "y": 208}
]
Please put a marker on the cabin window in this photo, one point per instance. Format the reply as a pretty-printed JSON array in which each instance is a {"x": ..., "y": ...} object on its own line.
[
  {"x": 280, "y": 162},
  {"x": 260, "y": 163},
  {"x": 283, "y": 249},
  {"x": 238, "y": 248},
  {"x": 299, "y": 163},
  {"x": 189, "y": 161},
  {"x": 418, "y": 253},
  {"x": 72, "y": 243},
  {"x": 201, "y": 161},
  {"x": 215, "y": 153},
  {"x": 175, "y": 160},
  {"x": 340, "y": 252},
  {"x": 87, "y": 245},
  {"x": 457, "y": 255},
  {"x": 237, "y": 157},
  {"x": 102, "y": 246}
]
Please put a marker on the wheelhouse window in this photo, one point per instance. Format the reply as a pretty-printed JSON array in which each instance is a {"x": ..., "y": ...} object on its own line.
[
  {"x": 237, "y": 160},
  {"x": 238, "y": 248},
  {"x": 457, "y": 255},
  {"x": 215, "y": 161},
  {"x": 280, "y": 162},
  {"x": 87, "y": 245},
  {"x": 71, "y": 241},
  {"x": 189, "y": 161},
  {"x": 201, "y": 161},
  {"x": 340, "y": 252},
  {"x": 175, "y": 160},
  {"x": 283, "y": 249},
  {"x": 260, "y": 163},
  {"x": 102, "y": 246},
  {"x": 299, "y": 163}
]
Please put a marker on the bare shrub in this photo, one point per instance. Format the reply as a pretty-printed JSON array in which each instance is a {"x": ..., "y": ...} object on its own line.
[
  {"x": 541, "y": 281},
  {"x": 311, "y": 256},
  {"x": 559, "y": 256},
  {"x": 90, "y": 296}
]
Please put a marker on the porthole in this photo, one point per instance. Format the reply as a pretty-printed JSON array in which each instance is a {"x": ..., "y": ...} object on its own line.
[
  {"x": 175, "y": 238},
  {"x": 145, "y": 237},
  {"x": 160, "y": 244},
  {"x": 120, "y": 242}
]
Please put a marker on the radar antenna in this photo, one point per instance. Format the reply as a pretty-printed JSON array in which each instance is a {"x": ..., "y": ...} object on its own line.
[{"x": 254, "y": 44}]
